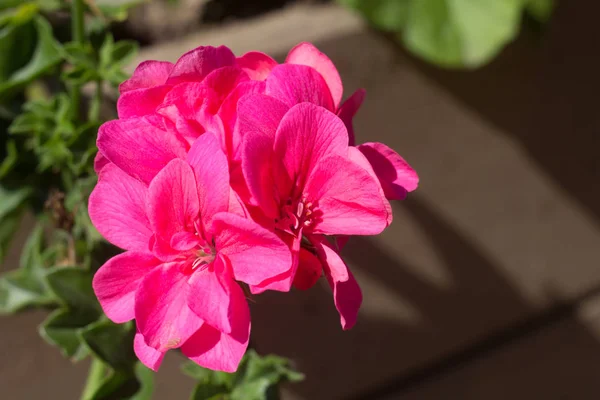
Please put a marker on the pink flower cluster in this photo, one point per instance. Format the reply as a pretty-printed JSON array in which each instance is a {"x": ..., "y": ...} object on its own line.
[{"x": 225, "y": 175}]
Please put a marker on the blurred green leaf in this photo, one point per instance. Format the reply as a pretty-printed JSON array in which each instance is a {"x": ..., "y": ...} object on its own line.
[
  {"x": 541, "y": 10},
  {"x": 19, "y": 291},
  {"x": 452, "y": 33},
  {"x": 10, "y": 200},
  {"x": 117, "y": 12},
  {"x": 61, "y": 329},
  {"x": 209, "y": 391},
  {"x": 389, "y": 15},
  {"x": 145, "y": 377},
  {"x": 113, "y": 57},
  {"x": 8, "y": 226},
  {"x": 123, "y": 385},
  {"x": 457, "y": 33},
  {"x": 111, "y": 343},
  {"x": 50, "y": 134},
  {"x": 257, "y": 378},
  {"x": 73, "y": 286},
  {"x": 126, "y": 378},
  {"x": 10, "y": 160},
  {"x": 46, "y": 55}
]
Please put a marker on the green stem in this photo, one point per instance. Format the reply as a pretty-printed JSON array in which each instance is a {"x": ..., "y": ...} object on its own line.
[
  {"x": 78, "y": 35},
  {"x": 77, "y": 21},
  {"x": 96, "y": 103},
  {"x": 94, "y": 379}
]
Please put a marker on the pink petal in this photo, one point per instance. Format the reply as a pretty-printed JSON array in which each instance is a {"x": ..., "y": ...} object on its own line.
[
  {"x": 347, "y": 295},
  {"x": 260, "y": 113},
  {"x": 395, "y": 175},
  {"x": 116, "y": 283},
  {"x": 348, "y": 110},
  {"x": 190, "y": 107},
  {"x": 218, "y": 351},
  {"x": 283, "y": 281},
  {"x": 307, "y": 54},
  {"x": 212, "y": 176},
  {"x": 172, "y": 205},
  {"x": 140, "y": 102},
  {"x": 347, "y": 197},
  {"x": 100, "y": 162},
  {"x": 236, "y": 206},
  {"x": 150, "y": 357},
  {"x": 309, "y": 270},
  {"x": 224, "y": 80},
  {"x": 257, "y": 167},
  {"x": 355, "y": 155},
  {"x": 139, "y": 147},
  {"x": 229, "y": 114},
  {"x": 161, "y": 310},
  {"x": 294, "y": 84},
  {"x": 306, "y": 134},
  {"x": 255, "y": 253},
  {"x": 184, "y": 241},
  {"x": 256, "y": 64},
  {"x": 148, "y": 74},
  {"x": 117, "y": 208},
  {"x": 217, "y": 299},
  {"x": 257, "y": 113},
  {"x": 194, "y": 65}
]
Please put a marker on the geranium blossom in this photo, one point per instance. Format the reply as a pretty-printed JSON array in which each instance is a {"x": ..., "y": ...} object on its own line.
[
  {"x": 303, "y": 184},
  {"x": 224, "y": 169},
  {"x": 185, "y": 252}
]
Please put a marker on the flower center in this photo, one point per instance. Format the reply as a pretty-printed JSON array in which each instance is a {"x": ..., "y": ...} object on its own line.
[
  {"x": 296, "y": 215},
  {"x": 203, "y": 257},
  {"x": 203, "y": 252}
]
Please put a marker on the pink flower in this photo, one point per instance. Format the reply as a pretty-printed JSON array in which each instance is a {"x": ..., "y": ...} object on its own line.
[
  {"x": 184, "y": 254},
  {"x": 304, "y": 185},
  {"x": 310, "y": 76},
  {"x": 196, "y": 94}
]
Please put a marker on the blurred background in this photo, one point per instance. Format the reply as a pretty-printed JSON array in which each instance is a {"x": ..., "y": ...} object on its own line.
[{"x": 486, "y": 286}]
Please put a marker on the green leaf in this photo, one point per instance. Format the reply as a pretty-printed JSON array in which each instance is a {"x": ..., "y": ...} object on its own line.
[
  {"x": 389, "y": 15},
  {"x": 46, "y": 55},
  {"x": 257, "y": 378},
  {"x": 199, "y": 373},
  {"x": 117, "y": 12},
  {"x": 541, "y": 10},
  {"x": 145, "y": 377},
  {"x": 73, "y": 286},
  {"x": 61, "y": 329},
  {"x": 452, "y": 33},
  {"x": 111, "y": 343},
  {"x": 19, "y": 291},
  {"x": 209, "y": 391},
  {"x": 10, "y": 160},
  {"x": 456, "y": 33},
  {"x": 113, "y": 57},
  {"x": 8, "y": 226},
  {"x": 11, "y": 200}
]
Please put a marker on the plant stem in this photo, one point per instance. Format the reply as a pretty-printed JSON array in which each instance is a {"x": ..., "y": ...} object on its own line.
[
  {"x": 78, "y": 35},
  {"x": 94, "y": 379},
  {"x": 96, "y": 103}
]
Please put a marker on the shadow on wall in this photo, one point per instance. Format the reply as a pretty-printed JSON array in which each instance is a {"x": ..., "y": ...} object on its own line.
[
  {"x": 545, "y": 96},
  {"x": 380, "y": 357}
]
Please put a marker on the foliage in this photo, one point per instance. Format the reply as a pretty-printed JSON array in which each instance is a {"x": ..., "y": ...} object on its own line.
[
  {"x": 257, "y": 378},
  {"x": 452, "y": 33},
  {"x": 47, "y": 148}
]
